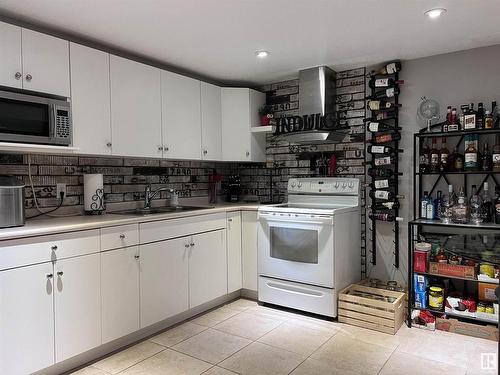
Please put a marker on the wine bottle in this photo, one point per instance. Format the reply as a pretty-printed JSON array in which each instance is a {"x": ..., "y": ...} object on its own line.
[
  {"x": 382, "y": 184},
  {"x": 386, "y": 160},
  {"x": 486, "y": 161},
  {"x": 381, "y": 105},
  {"x": 377, "y": 172},
  {"x": 383, "y": 115},
  {"x": 434, "y": 158},
  {"x": 376, "y": 127},
  {"x": 384, "y": 195},
  {"x": 444, "y": 155},
  {"x": 387, "y": 93},
  {"x": 390, "y": 68},
  {"x": 383, "y": 150},
  {"x": 384, "y": 217},
  {"x": 480, "y": 116},
  {"x": 392, "y": 205},
  {"x": 384, "y": 138},
  {"x": 448, "y": 119},
  {"x": 425, "y": 157},
  {"x": 384, "y": 82}
]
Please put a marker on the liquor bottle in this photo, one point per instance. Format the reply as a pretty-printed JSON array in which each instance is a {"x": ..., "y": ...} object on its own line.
[
  {"x": 447, "y": 205},
  {"x": 429, "y": 208},
  {"x": 470, "y": 118},
  {"x": 377, "y": 172},
  {"x": 454, "y": 121},
  {"x": 390, "y": 68},
  {"x": 488, "y": 210},
  {"x": 486, "y": 161},
  {"x": 495, "y": 112},
  {"x": 384, "y": 217},
  {"x": 425, "y": 158},
  {"x": 384, "y": 82},
  {"x": 437, "y": 205},
  {"x": 444, "y": 156},
  {"x": 434, "y": 165},
  {"x": 448, "y": 119},
  {"x": 480, "y": 116},
  {"x": 458, "y": 161},
  {"x": 423, "y": 205},
  {"x": 376, "y": 127},
  {"x": 381, "y": 105},
  {"x": 384, "y": 138},
  {"x": 464, "y": 108},
  {"x": 476, "y": 206},
  {"x": 488, "y": 120},
  {"x": 384, "y": 94},
  {"x": 497, "y": 205},
  {"x": 392, "y": 205},
  {"x": 382, "y": 184},
  {"x": 383, "y": 150},
  {"x": 496, "y": 154},
  {"x": 461, "y": 209},
  {"x": 471, "y": 159},
  {"x": 384, "y": 195}
]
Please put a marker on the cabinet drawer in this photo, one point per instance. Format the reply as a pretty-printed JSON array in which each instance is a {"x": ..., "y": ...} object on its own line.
[
  {"x": 121, "y": 236},
  {"x": 165, "y": 229},
  {"x": 17, "y": 253}
]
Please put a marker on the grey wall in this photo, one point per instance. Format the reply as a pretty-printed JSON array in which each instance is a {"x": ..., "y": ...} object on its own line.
[{"x": 457, "y": 78}]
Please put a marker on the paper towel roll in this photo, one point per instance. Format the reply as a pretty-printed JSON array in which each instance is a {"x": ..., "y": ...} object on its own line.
[{"x": 93, "y": 193}]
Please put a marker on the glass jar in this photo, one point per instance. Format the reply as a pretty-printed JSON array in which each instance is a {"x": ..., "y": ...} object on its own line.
[
  {"x": 481, "y": 308},
  {"x": 436, "y": 297}
]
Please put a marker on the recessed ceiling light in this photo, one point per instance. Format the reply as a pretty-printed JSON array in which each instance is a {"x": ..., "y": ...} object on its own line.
[
  {"x": 261, "y": 54},
  {"x": 435, "y": 13}
]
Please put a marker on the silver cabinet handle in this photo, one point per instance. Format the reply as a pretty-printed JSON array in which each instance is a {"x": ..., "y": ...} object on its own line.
[
  {"x": 191, "y": 244},
  {"x": 186, "y": 245},
  {"x": 160, "y": 148},
  {"x": 205, "y": 152},
  {"x": 60, "y": 273},
  {"x": 18, "y": 75},
  {"x": 229, "y": 220},
  {"x": 54, "y": 248},
  {"x": 29, "y": 77},
  {"x": 109, "y": 144},
  {"x": 165, "y": 148},
  {"x": 248, "y": 153},
  {"x": 122, "y": 236},
  {"x": 136, "y": 257},
  {"x": 50, "y": 275}
]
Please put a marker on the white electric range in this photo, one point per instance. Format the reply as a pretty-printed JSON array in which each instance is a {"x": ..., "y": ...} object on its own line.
[{"x": 310, "y": 247}]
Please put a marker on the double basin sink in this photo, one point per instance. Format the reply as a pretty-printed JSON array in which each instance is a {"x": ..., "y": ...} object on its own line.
[{"x": 159, "y": 210}]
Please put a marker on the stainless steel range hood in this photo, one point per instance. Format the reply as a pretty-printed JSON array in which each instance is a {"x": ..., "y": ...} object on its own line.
[{"x": 316, "y": 96}]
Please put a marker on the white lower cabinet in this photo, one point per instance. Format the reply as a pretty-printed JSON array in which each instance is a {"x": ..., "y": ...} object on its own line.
[
  {"x": 119, "y": 292},
  {"x": 207, "y": 267},
  {"x": 234, "y": 266},
  {"x": 249, "y": 224},
  {"x": 163, "y": 279},
  {"x": 26, "y": 319},
  {"x": 77, "y": 283}
]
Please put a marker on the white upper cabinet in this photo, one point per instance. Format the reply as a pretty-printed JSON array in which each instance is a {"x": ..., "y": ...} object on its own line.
[
  {"x": 211, "y": 122},
  {"x": 240, "y": 108},
  {"x": 90, "y": 97},
  {"x": 181, "y": 118},
  {"x": 135, "y": 108},
  {"x": 11, "y": 69},
  {"x": 45, "y": 63}
]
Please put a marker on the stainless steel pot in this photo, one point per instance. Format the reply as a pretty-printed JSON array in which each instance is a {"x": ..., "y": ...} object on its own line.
[{"x": 11, "y": 202}]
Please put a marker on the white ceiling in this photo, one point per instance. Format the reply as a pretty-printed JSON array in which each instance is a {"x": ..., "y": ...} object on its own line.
[{"x": 217, "y": 38}]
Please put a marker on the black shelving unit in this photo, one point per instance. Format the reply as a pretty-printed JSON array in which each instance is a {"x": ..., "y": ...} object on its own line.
[
  {"x": 461, "y": 238},
  {"x": 394, "y": 166}
]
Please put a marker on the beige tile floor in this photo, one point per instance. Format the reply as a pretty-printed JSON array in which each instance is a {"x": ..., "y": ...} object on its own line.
[{"x": 243, "y": 337}]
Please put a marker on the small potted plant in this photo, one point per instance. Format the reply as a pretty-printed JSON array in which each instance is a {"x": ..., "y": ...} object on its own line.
[{"x": 266, "y": 114}]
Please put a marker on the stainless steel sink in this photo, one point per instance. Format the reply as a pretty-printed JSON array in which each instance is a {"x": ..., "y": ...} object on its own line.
[{"x": 158, "y": 210}]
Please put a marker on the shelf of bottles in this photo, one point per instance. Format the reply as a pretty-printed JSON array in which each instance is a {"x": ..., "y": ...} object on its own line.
[
  {"x": 455, "y": 213},
  {"x": 384, "y": 149}
]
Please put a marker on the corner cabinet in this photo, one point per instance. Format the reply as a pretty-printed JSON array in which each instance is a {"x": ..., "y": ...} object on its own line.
[{"x": 240, "y": 112}]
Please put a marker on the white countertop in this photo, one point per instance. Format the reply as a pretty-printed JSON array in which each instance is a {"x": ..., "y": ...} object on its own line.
[{"x": 47, "y": 225}]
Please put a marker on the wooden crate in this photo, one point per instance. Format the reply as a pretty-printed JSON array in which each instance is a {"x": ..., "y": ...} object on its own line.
[{"x": 377, "y": 309}]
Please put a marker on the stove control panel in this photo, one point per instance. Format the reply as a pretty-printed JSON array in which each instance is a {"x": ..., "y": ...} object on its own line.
[{"x": 326, "y": 185}]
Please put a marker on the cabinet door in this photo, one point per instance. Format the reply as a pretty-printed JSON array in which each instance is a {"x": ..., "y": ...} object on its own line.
[
  {"x": 235, "y": 124},
  {"x": 234, "y": 271},
  {"x": 11, "y": 71},
  {"x": 90, "y": 100},
  {"x": 163, "y": 280},
  {"x": 257, "y": 140},
  {"x": 181, "y": 116},
  {"x": 135, "y": 108},
  {"x": 45, "y": 63},
  {"x": 77, "y": 283},
  {"x": 249, "y": 224},
  {"x": 119, "y": 292},
  {"x": 26, "y": 319},
  {"x": 207, "y": 267},
  {"x": 211, "y": 122}
]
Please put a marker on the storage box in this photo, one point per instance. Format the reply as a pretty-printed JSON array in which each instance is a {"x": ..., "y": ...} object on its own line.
[
  {"x": 489, "y": 332},
  {"x": 455, "y": 270},
  {"x": 420, "y": 283},
  {"x": 377, "y": 309},
  {"x": 486, "y": 292}
]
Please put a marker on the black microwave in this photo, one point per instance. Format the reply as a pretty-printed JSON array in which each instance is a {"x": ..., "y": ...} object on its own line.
[{"x": 34, "y": 119}]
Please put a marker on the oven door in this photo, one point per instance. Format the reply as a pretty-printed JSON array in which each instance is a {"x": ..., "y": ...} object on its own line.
[{"x": 296, "y": 247}]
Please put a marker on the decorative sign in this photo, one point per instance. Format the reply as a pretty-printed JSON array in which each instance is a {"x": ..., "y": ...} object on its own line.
[{"x": 296, "y": 124}]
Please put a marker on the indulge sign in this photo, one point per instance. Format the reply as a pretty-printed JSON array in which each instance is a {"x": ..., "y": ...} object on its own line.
[{"x": 296, "y": 124}]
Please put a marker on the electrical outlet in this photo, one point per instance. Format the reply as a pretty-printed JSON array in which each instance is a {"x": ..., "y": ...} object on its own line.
[{"x": 61, "y": 188}]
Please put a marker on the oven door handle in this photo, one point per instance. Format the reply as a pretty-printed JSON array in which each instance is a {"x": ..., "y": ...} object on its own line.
[{"x": 299, "y": 220}]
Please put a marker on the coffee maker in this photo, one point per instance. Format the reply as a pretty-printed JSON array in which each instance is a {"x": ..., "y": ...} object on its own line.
[{"x": 233, "y": 188}]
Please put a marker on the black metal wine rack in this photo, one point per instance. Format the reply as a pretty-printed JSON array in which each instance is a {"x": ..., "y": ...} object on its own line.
[{"x": 377, "y": 116}]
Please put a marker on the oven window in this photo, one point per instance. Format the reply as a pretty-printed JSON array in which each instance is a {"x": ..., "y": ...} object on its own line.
[
  {"x": 18, "y": 117},
  {"x": 297, "y": 245}
]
